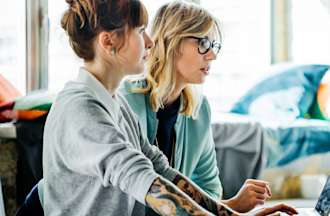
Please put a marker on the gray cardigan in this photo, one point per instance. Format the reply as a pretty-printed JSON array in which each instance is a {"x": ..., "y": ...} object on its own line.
[{"x": 95, "y": 159}]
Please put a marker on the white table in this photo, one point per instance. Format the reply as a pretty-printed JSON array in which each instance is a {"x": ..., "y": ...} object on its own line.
[
  {"x": 297, "y": 203},
  {"x": 7, "y": 130}
]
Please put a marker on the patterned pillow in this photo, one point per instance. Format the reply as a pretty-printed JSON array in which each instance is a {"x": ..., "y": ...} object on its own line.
[
  {"x": 29, "y": 107},
  {"x": 321, "y": 106},
  {"x": 284, "y": 95}
]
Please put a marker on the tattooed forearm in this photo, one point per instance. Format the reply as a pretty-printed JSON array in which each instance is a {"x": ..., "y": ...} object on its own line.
[
  {"x": 166, "y": 199},
  {"x": 201, "y": 197}
]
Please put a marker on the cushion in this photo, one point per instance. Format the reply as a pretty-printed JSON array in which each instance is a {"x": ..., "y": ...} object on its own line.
[
  {"x": 321, "y": 106},
  {"x": 284, "y": 95},
  {"x": 7, "y": 113},
  {"x": 29, "y": 107},
  {"x": 7, "y": 95},
  {"x": 7, "y": 90},
  {"x": 33, "y": 105},
  {"x": 37, "y": 100}
]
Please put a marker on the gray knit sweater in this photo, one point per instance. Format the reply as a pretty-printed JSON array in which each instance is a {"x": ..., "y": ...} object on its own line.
[{"x": 96, "y": 161}]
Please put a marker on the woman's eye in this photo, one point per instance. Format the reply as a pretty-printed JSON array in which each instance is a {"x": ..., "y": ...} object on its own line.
[
  {"x": 142, "y": 30},
  {"x": 204, "y": 43}
]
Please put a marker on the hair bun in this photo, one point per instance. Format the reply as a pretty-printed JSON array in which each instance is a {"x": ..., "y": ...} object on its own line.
[
  {"x": 70, "y": 2},
  {"x": 74, "y": 5}
]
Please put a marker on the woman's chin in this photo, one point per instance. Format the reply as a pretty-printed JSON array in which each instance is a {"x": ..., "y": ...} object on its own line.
[
  {"x": 201, "y": 80},
  {"x": 136, "y": 71}
]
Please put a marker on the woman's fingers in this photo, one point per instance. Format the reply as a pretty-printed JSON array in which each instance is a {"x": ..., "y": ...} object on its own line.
[
  {"x": 260, "y": 196},
  {"x": 259, "y": 186},
  {"x": 288, "y": 209},
  {"x": 259, "y": 189},
  {"x": 279, "y": 208},
  {"x": 269, "y": 192}
]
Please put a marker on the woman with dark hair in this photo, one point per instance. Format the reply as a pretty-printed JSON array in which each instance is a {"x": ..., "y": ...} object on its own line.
[{"x": 96, "y": 161}]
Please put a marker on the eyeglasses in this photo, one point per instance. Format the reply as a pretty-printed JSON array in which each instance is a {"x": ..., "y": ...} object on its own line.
[{"x": 204, "y": 45}]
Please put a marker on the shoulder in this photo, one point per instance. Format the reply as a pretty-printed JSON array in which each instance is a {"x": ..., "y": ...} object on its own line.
[
  {"x": 203, "y": 110},
  {"x": 128, "y": 86},
  {"x": 78, "y": 99},
  {"x": 78, "y": 92},
  {"x": 136, "y": 100}
]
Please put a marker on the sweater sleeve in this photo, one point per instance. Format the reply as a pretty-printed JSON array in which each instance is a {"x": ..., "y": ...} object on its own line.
[
  {"x": 158, "y": 159},
  {"x": 95, "y": 146},
  {"x": 207, "y": 169}
]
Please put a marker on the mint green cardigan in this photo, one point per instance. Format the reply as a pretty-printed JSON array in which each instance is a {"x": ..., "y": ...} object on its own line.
[{"x": 194, "y": 153}]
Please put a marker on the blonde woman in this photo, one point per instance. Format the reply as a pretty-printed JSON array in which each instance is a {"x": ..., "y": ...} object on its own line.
[{"x": 186, "y": 40}]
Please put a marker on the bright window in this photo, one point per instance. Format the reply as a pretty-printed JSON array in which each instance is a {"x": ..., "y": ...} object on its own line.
[
  {"x": 310, "y": 32},
  {"x": 12, "y": 43},
  {"x": 246, "y": 49},
  {"x": 62, "y": 63}
]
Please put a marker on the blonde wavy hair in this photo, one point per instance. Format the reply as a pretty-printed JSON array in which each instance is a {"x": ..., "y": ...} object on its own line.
[{"x": 174, "y": 22}]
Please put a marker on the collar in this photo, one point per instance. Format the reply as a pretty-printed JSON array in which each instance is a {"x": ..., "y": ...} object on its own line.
[{"x": 108, "y": 99}]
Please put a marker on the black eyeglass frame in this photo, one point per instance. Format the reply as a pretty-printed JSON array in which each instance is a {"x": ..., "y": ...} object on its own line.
[{"x": 212, "y": 44}]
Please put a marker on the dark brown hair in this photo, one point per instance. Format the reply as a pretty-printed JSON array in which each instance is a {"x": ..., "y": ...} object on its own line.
[{"x": 86, "y": 18}]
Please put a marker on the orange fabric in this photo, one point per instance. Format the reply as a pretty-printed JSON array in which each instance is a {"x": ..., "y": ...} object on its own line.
[
  {"x": 8, "y": 115},
  {"x": 7, "y": 90},
  {"x": 7, "y": 95},
  {"x": 29, "y": 114},
  {"x": 323, "y": 98}
]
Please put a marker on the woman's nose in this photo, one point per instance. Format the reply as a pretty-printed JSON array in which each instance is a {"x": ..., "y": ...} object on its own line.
[
  {"x": 147, "y": 41},
  {"x": 211, "y": 55}
]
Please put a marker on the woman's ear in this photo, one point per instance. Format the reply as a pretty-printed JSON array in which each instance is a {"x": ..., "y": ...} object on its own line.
[{"x": 107, "y": 42}]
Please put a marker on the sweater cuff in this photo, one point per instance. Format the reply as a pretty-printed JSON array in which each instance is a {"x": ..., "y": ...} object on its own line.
[
  {"x": 170, "y": 174},
  {"x": 145, "y": 187}
]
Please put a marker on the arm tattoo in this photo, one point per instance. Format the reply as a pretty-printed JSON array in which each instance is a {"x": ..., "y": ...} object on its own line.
[
  {"x": 164, "y": 198},
  {"x": 201, "y": 197}
]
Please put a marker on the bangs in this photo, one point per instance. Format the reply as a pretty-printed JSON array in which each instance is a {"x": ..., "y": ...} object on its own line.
[
  {"x": 215, "y": 31},
  {"x": 138, "y": 14},
  {"x": 208, "y": 26}
]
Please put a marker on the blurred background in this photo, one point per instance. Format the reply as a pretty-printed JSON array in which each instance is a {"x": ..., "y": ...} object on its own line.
[
  {"x": 277, "y": 129},
  {"x": 34, "y": 51}
]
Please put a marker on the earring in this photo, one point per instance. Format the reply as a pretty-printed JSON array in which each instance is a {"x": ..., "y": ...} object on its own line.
[{"x": 113, "y": 51}]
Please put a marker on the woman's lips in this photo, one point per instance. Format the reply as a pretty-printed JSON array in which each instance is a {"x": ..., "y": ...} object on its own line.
[
  {"x": 205, "y": 70},
  {"x": 146, "y": 56}
]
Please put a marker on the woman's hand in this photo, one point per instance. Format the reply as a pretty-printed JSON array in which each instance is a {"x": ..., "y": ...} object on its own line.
[
  {"x": 252, "y": 193},
  {"x": 275, "y": 210}
]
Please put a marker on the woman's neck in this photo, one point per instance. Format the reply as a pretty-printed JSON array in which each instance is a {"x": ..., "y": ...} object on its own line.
[
  {"x": 173, "y": 97},
  {"x": 175, "y": 94},
  {"x": 180, "y": 84},
  {"x": 107, "y": 75}
]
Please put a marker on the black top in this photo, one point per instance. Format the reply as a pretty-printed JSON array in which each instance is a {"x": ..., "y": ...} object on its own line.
[{"x": 165, "y": 131}]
